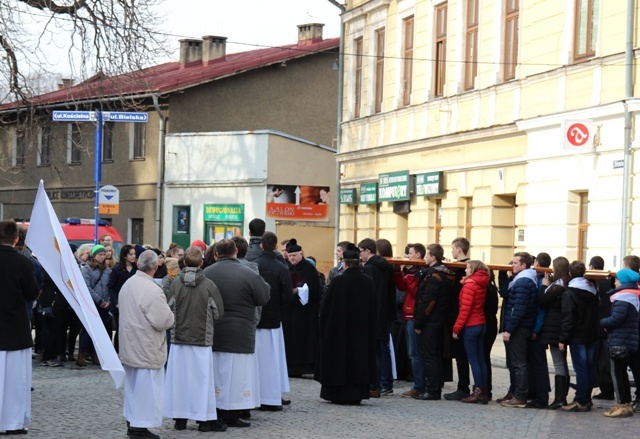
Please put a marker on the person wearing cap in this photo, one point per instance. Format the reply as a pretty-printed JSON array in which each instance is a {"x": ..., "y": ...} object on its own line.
[
  {"x": 200, "y": 244},
  {"x": 622, "y": 329},
  {"x": 300, "y": 316},
  {"x": 96, "y": 276},
  {"x": 347, "y": 358}
]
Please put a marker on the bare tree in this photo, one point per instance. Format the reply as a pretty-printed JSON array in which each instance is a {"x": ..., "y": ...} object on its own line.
[{"x": 106, "y": 37}]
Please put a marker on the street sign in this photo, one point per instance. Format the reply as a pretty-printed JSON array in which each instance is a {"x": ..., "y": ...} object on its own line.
[
  {"x": 121, "y": 116},
  {"x": 74, "y": 116},
  {"x": 109, "y": 200}
]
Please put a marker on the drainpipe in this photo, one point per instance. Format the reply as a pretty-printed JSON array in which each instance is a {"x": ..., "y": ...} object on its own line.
[
  {"x": 626, "y": 175},
  {"x": 336, "y": 237},
  {"x": 161, "y": 130}
]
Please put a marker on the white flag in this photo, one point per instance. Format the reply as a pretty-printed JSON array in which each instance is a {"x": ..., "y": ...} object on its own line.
[{"x": 46, "y": 240}]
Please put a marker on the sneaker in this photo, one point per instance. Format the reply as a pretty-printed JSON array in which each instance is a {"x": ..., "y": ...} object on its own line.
[
  {"x": 619, "y": 411},
  {"x": 54, "y": 363},
  {"x": 386, "y": 391},
  {"x": 576, "y": 407},
  {"x": 410, "y": 393},
  {"x": 636, "y": 406},
  {"x": 506, "y": 397},
  {"x": 43, "y": 363},
  {"x": 456, "y": 396},
  {"x": 514, "y": 403}
]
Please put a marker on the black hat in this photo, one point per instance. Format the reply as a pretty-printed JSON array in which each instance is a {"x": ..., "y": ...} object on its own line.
[
  {"x": 351, "y": 253},
  {"x": 293, "y": 247}
]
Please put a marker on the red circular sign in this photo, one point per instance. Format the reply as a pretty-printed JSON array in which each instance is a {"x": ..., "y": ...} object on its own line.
[{"x": 577, "y": 134}]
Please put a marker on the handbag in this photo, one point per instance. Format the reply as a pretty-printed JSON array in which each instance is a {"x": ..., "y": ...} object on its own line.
[{"x": 618, "y": 352}]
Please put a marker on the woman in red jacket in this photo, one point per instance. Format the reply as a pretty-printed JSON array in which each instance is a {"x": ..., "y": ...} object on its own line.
[{"x": 471, "y": 325}]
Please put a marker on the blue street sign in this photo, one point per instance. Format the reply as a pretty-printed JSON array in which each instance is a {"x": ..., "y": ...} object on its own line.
[
  {"x": 74, "y": 116},
  {"x": 121, "y": 116}
]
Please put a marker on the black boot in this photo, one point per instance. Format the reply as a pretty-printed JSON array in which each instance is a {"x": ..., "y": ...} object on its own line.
[{"x": 561, "y": 389}]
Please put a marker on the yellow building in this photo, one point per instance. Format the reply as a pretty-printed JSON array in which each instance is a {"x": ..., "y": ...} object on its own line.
[{"x": 499, "y": 120}]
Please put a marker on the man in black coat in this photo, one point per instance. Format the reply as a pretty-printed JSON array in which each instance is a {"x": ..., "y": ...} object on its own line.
[
  {"x": 300, "y": 316},
  {"x": 381, "y": 272},
  {"x": 18, "y": 287},
  {"x": 269, "y": 339},
  {"x": 430, "y": 315},
  {"x": 347, "y": 360}
]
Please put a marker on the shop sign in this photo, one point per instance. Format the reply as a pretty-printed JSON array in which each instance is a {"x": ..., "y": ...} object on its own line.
[
  {"x": 369, "y": 193},
  {"x": 429, "y": 184},
  {"x": 224, "y": 213},
  {"x": 347, "y": 196},
  {"x": 394, "y": 186}
]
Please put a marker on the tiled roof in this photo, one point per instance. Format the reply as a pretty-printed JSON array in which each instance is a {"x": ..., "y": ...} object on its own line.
[{"x": 174, "y": 76}]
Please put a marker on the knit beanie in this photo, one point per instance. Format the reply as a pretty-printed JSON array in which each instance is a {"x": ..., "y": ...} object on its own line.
[{"x": 97, "y": 249}]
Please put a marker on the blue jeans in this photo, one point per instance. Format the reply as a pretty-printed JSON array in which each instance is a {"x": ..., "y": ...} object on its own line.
[
  {"x": 583, "y": 357},
  {"x": 383, "y": 359},
  {"x": 473, "y": 339},
  {"x": 414, "y": 349}
]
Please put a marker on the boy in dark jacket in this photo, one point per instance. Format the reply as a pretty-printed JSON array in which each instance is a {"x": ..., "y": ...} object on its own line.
[{"x": 579, "y": 330}]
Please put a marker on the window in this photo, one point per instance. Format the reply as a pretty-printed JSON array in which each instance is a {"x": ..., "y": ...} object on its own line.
[
  {"x": 441, "y": 49},
  {"x": 379, "y": 74},
  {"x": 107, "y": 142},
  {"x": 19, "y": 148},
  {"x": 583, "y": 225},
  {"x": 74, "y": 139},
  {"x": 137, "y": 140},
  {"x": 510, "y": 58},
  {"x": 358, "y": 79},
  {"x": 407, "y": 60},
  {"x": 471, "y": 46},
  {"x": 586, "y": 29},
  {"x": 137, "y": 230},
  {"x": 44, "y": 146}
]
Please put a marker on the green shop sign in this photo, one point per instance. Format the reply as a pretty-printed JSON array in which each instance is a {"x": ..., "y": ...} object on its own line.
[
  {"x": 224, "y": 213},
  {"x": 369, "y": 193},
  {"x": 394, "y": 186},
  {"x": 430, "y": 184},
  {"x": 347, "y": 196}
]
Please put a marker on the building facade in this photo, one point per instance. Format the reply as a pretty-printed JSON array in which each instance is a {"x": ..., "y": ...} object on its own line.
[
  {"x": 291, "y": 89},
  {"x": 502, "y": 121}
]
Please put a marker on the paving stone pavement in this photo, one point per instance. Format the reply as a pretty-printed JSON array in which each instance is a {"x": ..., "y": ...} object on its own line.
[{"x": 69, "y": 402}]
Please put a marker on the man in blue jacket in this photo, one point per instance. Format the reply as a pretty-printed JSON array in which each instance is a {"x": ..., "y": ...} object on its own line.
[{"x": 522, "y": 306}]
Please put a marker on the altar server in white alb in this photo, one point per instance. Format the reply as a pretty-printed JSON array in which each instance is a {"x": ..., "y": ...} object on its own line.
[
  {"x": 272, "y": 360},
  {"x": 18, "y": 286},
  {"x": 144, "y": 319},
  {"x": 242, "y": 289},
  {"x": 189, "y": 389}
]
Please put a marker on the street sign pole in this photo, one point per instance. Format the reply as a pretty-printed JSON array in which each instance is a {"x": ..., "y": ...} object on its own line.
[{"x": 97, "y": 173}]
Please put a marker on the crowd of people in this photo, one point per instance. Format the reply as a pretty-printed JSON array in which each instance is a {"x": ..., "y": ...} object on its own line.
[{"x": 208, "y": 333}]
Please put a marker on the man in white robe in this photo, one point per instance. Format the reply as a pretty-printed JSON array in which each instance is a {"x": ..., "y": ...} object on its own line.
[
  {"x": 18, "y": 286},
  {"x": 272, "y": 361},
  {"x": 144, "y": 319},
  {"x": 242, "y": 290}
]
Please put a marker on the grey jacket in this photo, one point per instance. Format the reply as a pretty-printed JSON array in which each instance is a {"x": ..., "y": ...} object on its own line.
[
  {"x": 242, "y": 290},
  {"x": 196, "y": 303},
  {"x": 97, "y": 282}
]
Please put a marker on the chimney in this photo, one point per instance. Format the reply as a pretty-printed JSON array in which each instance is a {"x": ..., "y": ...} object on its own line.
[
  {"x": 309, "y": 33},
  {"x": 213, "y": 48},
  {"x": 66, "y": 83},
  {"x": 190, "y": 51}
]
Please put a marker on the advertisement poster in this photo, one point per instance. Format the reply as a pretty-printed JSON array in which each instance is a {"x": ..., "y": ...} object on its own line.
[{"x": 298, "y": 203}]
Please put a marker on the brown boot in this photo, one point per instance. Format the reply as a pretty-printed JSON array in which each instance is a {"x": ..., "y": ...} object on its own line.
[
  {"x": 94, "y": 359},
  {"x": 80, "y": 361},
  {"x": 484, "y": 395},
  {"x": 474, "y": 398}
]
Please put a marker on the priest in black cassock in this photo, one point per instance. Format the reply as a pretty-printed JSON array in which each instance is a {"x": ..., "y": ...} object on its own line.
[
  {"x": 347, "y": 358},
  {"x": 300, "y": 316}
]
